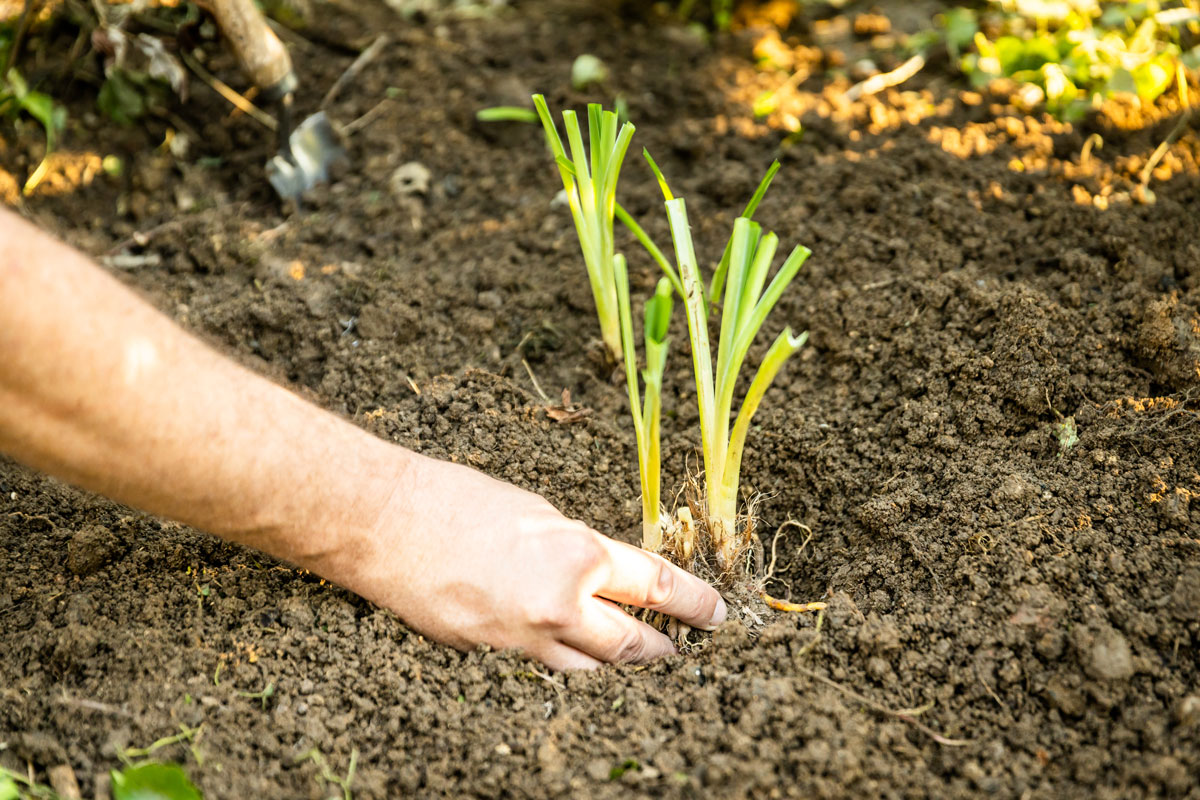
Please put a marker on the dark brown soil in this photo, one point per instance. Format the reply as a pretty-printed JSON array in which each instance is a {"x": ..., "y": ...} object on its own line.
[{"x": 970, "y": 300}]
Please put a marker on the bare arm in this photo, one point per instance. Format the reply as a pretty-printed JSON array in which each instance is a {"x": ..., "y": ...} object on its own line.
[{"x": 100, "y": 389}]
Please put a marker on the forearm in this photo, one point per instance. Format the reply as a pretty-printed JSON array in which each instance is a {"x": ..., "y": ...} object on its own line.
[{"x": 101, "y": 390}]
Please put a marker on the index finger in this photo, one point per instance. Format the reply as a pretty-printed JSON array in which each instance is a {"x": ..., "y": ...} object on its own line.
[{"x": 643, "y": 579}]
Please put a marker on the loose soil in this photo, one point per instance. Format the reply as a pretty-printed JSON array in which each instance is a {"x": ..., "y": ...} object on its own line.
[{"x": 992, "y": 435}]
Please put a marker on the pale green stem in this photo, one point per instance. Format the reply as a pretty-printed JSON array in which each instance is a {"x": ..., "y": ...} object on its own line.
[
  {"x": 630, "y": 358},
  {"x": 591, "y": 196},
  {"x": 645, "y": 419},
  {"x": 784, "y": 347},
  {"x": 693, "y": 297},
  {"x": 655, "y": 253},
  {"x": 718, "y": 277}
]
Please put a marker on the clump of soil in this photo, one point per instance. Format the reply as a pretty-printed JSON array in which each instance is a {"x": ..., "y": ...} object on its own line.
[{"x": 992, "y": 436}]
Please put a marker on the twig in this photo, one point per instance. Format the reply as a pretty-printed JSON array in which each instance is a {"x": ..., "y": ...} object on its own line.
[
  {"x": 238, "y": 100},
  {"x": 533, "y": 378},
  {"x": 558, "y": 687},
  {"x": 352, "y": 72},
  {"x": 130, "y": 261},
  {"x": 886, "y": 80},
  {"x": 905, "y": 715},
  {"x": 32, "y": 9},
  {"x": 356, "y": 125},
  {"x": 877, "y": 284},
  {"x": 94, "y": 705},
  {"x": 991, "y": 692},
  {"x": 1159, "y": 152}
]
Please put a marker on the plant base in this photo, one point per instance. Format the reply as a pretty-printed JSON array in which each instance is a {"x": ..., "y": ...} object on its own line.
[{"x": 687, "y": 540}]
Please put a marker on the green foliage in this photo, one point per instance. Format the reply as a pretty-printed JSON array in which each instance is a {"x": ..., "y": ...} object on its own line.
[
  {"x": 506, "y": 114},
  {"x": 153, "y": 781},
  {"x": 16, "y": 97},
  {"x": 739, "y": 288},
  {"x": 589, "y": 175},
  {"x": 1067, "y": 434},
  {"x": 1073, "y": 52},
  {"x": 128, "y": 95},
  {"x": 721, "y": 10}
]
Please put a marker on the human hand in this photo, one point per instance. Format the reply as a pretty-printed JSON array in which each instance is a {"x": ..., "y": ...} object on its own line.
[{"x": 466, "y": 559}]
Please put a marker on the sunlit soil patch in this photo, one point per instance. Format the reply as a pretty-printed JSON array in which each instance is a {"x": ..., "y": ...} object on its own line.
[
  {"x": 782, "y": 99},
  {"x": 66, "y": 171}
]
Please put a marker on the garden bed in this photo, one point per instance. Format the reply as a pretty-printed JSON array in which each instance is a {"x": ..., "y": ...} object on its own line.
[{"x": 992, "y": 437}]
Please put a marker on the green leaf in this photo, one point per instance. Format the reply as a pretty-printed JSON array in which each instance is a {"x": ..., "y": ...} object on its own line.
[
  {"x": 658, "y": 311},
  {"x": 668, "y": 196},
  {"x": 121, "y": 99},
  {"x": 8, "y": 788},
  {"x": 153, "y": 781},
  {"x": 1121, "y": 82},
  {"x": 1191, "y": 59},
  {"x": 506, "y": 114},
  {"x": 1153, "y": 77},
  {"x": 628, "y": 764},
  {"x": 765, "y": 104},
  {"x": 39, "y": 106},
  {"x": 960, "y": 25}
]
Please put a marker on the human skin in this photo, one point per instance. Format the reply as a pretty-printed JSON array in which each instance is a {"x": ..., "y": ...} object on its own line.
[{"x": 101, "y": 390}]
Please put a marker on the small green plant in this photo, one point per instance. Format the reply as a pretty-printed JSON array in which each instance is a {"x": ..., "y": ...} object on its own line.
[
  {"x": 153, "y": 781},
  {"x": 1075, "y": 53},
  {"x": 647, "y": 414},
  {"x": 263, "y": 696},
  {"x": 738, "y": 287},
  {"x": 722, "y": 12},
  {"x": 506, "y": 114},
  {"x": 17, "y": 97},
  {"x": 14, "y": 786},
  {"x": 328, "y": 775},
  {"x": 589, "y": 176}
]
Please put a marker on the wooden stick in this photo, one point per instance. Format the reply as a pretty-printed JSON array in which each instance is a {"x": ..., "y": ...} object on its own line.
[
  {"x": 352, "y": 72},
  {"x": 885, "y": 80},
  {"x": 229, "y": 93}
]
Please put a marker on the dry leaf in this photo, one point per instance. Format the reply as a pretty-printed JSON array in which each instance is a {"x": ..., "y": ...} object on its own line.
[{"x": 566, "y": 413}]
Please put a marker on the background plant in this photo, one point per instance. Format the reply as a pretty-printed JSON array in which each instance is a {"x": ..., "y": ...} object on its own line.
[
  {"x": 1074, "y": 52},
  {"x": 589, "y": 177},
  {"x": 16, "y": 97}
]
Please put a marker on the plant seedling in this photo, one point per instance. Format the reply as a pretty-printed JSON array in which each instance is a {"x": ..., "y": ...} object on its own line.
[
  {"x": 506, "y": 114},
  {"x": 589, "y": 177},
  {"x": 738, "y": 286},
  {"x": 153, "y": 781},
  {"x": 16, "y": 96},
  {"x": 262, "y": 696},
  {"x": 647, "y": 414}
]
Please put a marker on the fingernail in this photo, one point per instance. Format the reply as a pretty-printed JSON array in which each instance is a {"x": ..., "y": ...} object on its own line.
[{"x": 719, "y": 614}]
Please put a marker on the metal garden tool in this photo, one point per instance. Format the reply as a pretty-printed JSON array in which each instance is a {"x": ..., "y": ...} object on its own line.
[{"x": 305, "y": 150}]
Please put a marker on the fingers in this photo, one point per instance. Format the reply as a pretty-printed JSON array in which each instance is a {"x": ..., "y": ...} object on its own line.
[
  {"x": 645, "y": 580},
  {"x": 609, "y": 634},
  {"x": 562, "y": 657}
]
